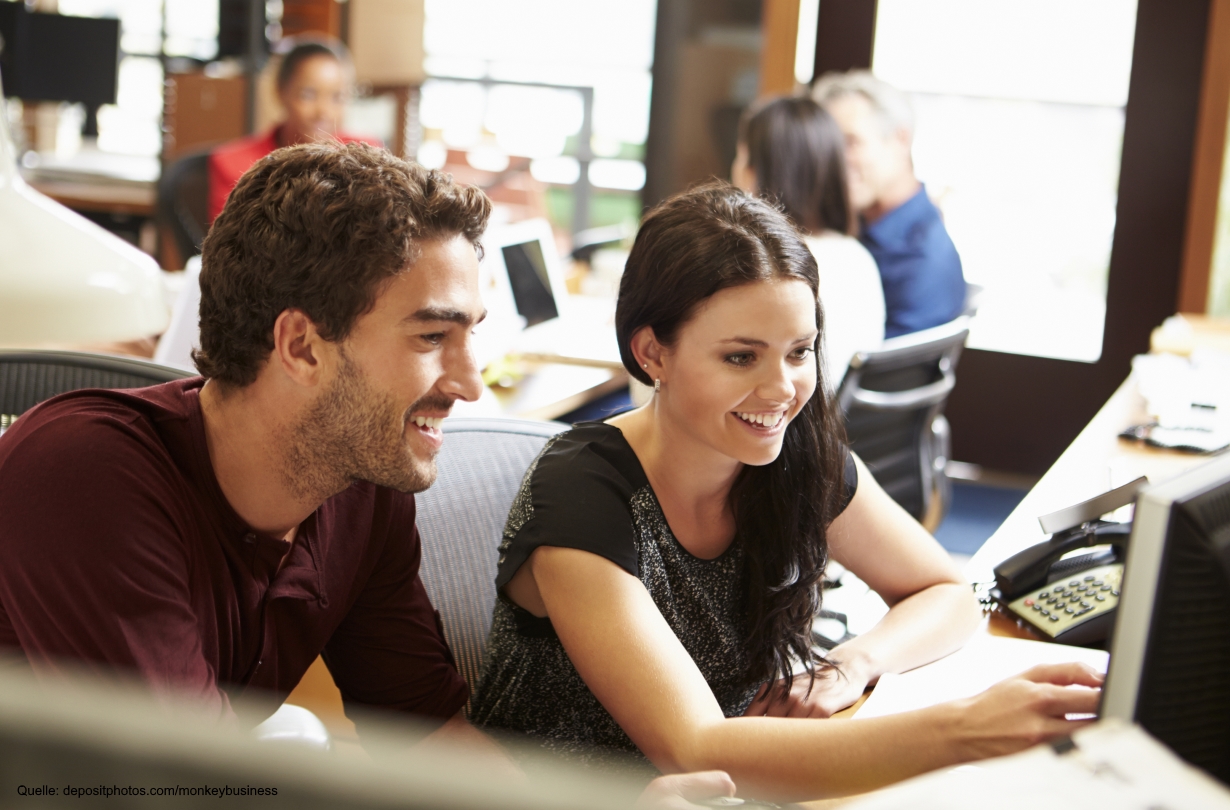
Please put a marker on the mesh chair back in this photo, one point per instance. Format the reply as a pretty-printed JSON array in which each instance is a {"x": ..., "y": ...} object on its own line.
[
  {"x": 461, "y": 521},
  {"x": 893, "y": 401},
  {"x": 28, "y": 377},
  {"x": 183, "y": 201}
]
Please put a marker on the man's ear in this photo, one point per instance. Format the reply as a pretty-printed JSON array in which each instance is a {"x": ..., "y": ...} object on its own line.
[
  {"x": 904, "y": 140},
  {"x": 648, "y": 351},
  {"x": 298, "y": 348}
]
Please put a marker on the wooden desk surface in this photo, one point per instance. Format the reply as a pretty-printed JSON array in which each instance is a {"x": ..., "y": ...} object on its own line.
[
  {"x": 1095, "y": 462},
  {"x": 115, "y": 198}
]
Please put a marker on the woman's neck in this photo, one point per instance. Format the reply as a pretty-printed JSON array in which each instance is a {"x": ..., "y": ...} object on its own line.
[{"x": 690, "y": 480}]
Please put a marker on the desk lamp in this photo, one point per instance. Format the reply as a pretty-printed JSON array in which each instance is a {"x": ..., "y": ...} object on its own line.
[{"x": 64, "y": 279}]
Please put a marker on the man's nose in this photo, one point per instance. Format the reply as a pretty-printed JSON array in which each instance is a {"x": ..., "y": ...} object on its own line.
[{"x": 461, "y": 374}]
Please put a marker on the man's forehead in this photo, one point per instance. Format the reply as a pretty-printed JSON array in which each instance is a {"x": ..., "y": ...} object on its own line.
[{"x": 436, "y": 283}]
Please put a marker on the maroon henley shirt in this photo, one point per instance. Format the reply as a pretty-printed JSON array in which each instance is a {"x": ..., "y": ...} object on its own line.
[{"x": 119, "y": 550}]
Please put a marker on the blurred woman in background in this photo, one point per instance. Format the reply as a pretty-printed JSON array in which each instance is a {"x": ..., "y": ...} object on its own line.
[
  {"x": 791, "y": 151},
  {"x": 314, "y": 83}
]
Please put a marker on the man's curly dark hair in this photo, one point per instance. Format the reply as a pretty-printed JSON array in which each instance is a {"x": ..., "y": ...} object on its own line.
[{"x": 318, "y": 228}]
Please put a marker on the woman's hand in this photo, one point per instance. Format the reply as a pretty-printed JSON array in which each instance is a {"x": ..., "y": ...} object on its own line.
[
  {"x": 1026, "y": 710},
  {"x": 834, "y": 690},
  {"x": 681, "y": 791}
]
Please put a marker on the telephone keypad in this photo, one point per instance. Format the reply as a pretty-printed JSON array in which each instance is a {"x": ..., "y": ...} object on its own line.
[{"x": 1056, "y": 608}]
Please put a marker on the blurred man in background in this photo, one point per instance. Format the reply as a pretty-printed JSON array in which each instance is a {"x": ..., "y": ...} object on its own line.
[{"x": 903, "y": 230}]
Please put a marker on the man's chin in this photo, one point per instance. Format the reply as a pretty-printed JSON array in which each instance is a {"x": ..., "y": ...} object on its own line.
[{"x": 412, "y": 479}]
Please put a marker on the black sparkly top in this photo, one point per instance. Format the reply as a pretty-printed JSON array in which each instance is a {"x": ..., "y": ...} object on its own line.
[{"x": 587, "y": 490}]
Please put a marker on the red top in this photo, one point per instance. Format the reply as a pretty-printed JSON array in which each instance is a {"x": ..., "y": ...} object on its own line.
[
  {"x": 120, "y": 550},
  {"x": 228, "y": 162}
]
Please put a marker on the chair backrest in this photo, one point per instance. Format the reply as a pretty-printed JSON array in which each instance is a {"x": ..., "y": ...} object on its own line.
[
  {"x": 461, "y": 522},
  {"x": 973, "y": 299},
  {"x": 893, "y": 400},
  {"x": 29, "y": 376},
  {"x": 183, "y": 201}
]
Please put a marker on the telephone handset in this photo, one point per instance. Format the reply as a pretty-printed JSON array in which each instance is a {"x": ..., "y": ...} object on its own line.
[{"x": 1070, "y": 600}]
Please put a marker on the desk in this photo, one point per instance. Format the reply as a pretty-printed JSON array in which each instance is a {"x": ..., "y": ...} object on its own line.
[
  {"x": 1092, "y": 464},
  {"x": 553, "y": 389},
  {"x": 100, "y": 197},
  {"x": 1095, "y": 461}
]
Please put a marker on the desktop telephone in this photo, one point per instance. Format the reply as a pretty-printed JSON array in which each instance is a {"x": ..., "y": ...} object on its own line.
[{"x": 1070, "y": 599}]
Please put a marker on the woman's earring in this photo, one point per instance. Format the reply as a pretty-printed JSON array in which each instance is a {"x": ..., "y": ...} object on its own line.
[{"x": 657, "y": 385}]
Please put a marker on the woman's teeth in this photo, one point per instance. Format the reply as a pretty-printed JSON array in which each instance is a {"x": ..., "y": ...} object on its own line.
[
  {"x": 766, "y": 419},
  {"x": 427, "y": 421}
]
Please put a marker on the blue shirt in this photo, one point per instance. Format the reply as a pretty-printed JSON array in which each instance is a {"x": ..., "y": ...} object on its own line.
[{"x": 919, "y": 266}]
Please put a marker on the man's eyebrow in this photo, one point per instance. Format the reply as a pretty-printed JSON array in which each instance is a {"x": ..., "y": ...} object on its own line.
[{"x": 436, "y": 314}]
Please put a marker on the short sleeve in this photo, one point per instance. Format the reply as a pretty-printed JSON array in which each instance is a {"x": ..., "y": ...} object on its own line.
[
  {"x": 849, "y": 481},
  {"x": 576, "y": 494}
]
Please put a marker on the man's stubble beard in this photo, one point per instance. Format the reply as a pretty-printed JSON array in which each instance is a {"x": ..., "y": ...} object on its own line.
[{"x": 353, "y": 432}]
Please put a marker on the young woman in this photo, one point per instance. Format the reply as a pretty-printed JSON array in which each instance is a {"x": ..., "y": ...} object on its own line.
[
  {"x": 660, "y": 572},
  {"x": 314, "y": 80},
  {"x": 791, "y": 151}
]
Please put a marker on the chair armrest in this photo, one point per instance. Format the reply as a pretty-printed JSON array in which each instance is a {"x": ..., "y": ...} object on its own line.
[{"x": 931, "y": 394}]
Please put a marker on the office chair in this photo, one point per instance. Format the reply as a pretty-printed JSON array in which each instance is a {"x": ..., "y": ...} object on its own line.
[
  {"x": 29, "y": 376},
  {"x": 461, "y": 522},
  {"x": 893, "y": 402},
  {"x": 973, "y": 299},
  {"x": 183, "y": 201}
]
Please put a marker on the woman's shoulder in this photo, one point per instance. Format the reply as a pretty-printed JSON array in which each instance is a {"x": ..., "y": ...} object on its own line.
[
  {"x": 590, "y": 452},
  {"x": 838, "y": 246},
  {"x": 576, "y": 494}
]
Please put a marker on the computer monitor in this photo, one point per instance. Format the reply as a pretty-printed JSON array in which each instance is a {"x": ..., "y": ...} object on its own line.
[
  {"x": 1170, "y": 655},
  {"x": 55, "y": 57},
  {"x": 521, "y": 271}
]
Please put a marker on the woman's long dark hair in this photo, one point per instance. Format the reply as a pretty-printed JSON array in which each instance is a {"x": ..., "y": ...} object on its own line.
[
  {"x": 798, "y": 154},
  {"x": 690, "y": 247}
]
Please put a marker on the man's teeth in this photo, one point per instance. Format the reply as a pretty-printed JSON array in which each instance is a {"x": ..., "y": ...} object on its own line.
[
  {"x": 427, "y": 421},
  {"x": 765, "y": 419}
]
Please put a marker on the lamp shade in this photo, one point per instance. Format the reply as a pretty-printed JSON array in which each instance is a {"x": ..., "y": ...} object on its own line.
[{"x": 63, "y": 278}]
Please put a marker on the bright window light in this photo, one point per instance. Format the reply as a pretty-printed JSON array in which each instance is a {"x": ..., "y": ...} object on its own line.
[
  {"x": 625, "y": 175},
  {"x": 561, "y": 171},
  {"x": 487, "y": 159},
  {"x": 432, "y": 154},
  {"x": 1022, "y": 154}
]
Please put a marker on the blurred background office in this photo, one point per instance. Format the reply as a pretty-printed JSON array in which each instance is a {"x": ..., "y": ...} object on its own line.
[{"x": 1075, "y": 150}]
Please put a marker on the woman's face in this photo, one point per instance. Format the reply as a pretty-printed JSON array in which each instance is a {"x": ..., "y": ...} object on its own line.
[
  {"x": 314, "y": 99},
  {"x": 742, "y": 176},
  {"x": 742, "y": 368}
]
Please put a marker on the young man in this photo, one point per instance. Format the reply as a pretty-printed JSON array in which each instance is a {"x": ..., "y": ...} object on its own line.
[
  {"x": 215, "y": 535},
  {"x": 903, "y": 230}
]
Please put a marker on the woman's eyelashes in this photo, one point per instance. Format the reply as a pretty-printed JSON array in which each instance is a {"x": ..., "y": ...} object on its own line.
[{"x": 745, "y": 359}]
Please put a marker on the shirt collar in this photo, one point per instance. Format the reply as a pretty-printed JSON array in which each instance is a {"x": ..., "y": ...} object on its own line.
[{"x": 893, "y": 226}]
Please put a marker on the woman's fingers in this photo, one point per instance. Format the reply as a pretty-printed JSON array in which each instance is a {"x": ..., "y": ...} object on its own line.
[
  {"x": 679, "y": 791},
  {"x": 1059, "y": 701},
  {"x": 1069, "y": 674}
]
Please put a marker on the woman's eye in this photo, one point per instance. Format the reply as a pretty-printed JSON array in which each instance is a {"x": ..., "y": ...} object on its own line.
[
  {"x": 802, "y": 353},
  {"x": 741, "y": 359}
]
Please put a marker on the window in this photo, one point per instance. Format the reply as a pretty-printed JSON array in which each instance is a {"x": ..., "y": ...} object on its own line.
[
  {"x": 133, "y": 125},
  {"x": 606, "y": 46},
  {"x": 1019, "y": 128}
]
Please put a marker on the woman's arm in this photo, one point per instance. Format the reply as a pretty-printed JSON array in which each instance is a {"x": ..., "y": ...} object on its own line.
[
  {"x": 932, "y": 609},
  {"x": 636, "y": 667}
]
